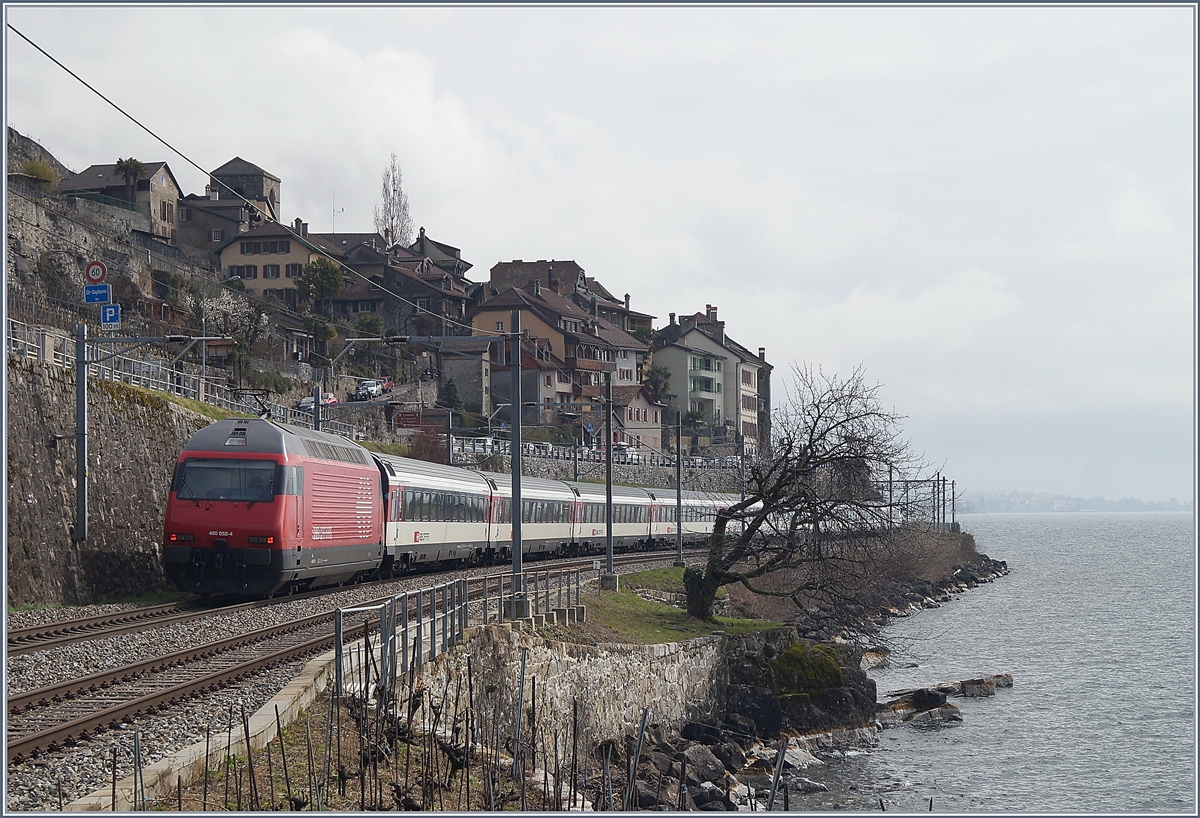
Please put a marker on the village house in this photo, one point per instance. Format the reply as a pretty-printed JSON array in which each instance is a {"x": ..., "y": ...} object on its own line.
[
  {"x": 717, "y": 379},
  {"x": 639, "y": 417},
  {"x": 567, "y": 279},
  {"x": 586, "y": 345},
  {"x": 155, "y": 194}
]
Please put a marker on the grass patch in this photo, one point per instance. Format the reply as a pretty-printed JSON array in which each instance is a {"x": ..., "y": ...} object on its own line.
[
  {"x": 668, "y": 580},
  {"x": 208, "y": 410},
  {"x": 626, "y": 617}
]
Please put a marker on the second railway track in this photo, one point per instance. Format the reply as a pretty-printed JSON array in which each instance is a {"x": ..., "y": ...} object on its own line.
[{"x": 62, "y": 714}]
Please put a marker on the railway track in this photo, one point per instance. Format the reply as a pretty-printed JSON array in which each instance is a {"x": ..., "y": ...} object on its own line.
[
  {"x": 70, "y": 631},
  {"x": 61, "y": 715}
]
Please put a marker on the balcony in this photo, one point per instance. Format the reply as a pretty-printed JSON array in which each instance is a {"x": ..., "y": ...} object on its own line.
[{"x": 590, "y": 364}]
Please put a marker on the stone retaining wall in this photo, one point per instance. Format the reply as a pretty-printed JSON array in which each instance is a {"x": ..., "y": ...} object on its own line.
[{"x": 134, "y": 438}]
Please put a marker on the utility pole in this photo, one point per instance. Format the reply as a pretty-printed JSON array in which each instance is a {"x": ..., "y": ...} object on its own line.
[
  {"x": 679, "y": 563},
  {"x": 81, "y": 425},
  {"x": 518, "y": 606},
  {"x": 608, "y": 580}
]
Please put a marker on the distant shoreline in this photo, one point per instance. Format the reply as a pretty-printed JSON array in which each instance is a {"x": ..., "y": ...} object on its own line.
[{"x": 975, "y": 512}]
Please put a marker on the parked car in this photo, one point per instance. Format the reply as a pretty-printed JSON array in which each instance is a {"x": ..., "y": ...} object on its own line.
[
  {"x": 328, "y": 398},
  {"x": 385, "y": 384},
  {"x": 306, "y": 403},
  {"x": 360, "y": 394},
  {"x": 371, "y": 388}
]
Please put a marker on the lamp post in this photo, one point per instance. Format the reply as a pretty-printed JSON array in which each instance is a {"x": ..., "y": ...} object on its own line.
[{"x": 204, "y": 332}]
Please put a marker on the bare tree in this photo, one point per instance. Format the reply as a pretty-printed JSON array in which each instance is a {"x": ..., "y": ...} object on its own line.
[
  {"x": 392, "y": 218},
  {"x": 820, "y": 507}
]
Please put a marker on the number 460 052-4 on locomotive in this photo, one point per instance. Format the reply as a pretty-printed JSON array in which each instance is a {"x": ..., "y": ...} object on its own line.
[{"x": 258, "y": 507}]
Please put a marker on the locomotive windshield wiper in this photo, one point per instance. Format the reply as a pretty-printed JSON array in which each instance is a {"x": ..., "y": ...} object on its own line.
[
  {"x": 269, "y": 487},
  {"x": 183, "y": 484}
]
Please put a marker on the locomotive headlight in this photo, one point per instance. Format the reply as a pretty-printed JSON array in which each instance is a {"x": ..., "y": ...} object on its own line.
[
  {"x": 262, "y": 540},
  {"x": 181, "y": 537}
]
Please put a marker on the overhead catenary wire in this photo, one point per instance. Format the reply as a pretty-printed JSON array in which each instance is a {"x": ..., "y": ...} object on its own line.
[{"x": 301, "y": 239}]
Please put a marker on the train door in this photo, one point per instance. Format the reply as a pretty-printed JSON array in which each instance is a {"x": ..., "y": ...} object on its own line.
[{"x": 295, "y": 516}]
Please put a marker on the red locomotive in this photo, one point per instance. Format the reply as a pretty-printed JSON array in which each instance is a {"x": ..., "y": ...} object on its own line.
[{"x": 256, "y": 506}]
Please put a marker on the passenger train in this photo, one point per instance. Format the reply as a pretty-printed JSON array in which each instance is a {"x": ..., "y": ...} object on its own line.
[{"x": 258, "y": 508}]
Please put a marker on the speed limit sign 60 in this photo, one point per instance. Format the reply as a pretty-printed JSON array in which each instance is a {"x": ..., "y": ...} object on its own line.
[{"x": 95, "y": 272}]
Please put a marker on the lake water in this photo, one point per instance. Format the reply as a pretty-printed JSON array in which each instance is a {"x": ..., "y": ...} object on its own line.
[{"x": 1096, "y": 623}]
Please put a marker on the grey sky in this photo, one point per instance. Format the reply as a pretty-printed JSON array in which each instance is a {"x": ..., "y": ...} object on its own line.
[{"x": 991, "y": 209}]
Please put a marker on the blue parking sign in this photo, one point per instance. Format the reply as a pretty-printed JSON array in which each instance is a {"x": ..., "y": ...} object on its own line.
[{"x": 110, "y": 316}]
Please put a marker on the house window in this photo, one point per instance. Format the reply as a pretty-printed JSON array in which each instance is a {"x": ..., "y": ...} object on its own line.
[
  {"x": 270, "y": 271},
  {"x": 283, "y": 246},
  {"x": 249, "y": 248},
  {"x": 218, "y": 235},
  {"x": 499, "y": 326},
  {"x": 422, "y": 304},
  {"x": 656, "y": 416},
  {"x": 364, "y": 306},
  {"x": 183, "y": 214},
  {"x": 268, "y": 293},
  {"x": 247, "y": 271},
  {"x": 549, "y": 382},
  {"x": 293, "y": 270}
]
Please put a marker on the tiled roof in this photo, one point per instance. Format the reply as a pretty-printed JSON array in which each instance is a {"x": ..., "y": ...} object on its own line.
[
  {"x": 97, "y": 177},
  {"x": 237, "y": 166}
]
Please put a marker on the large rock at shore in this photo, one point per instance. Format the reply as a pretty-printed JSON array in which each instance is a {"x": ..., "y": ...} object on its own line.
[
  {"x": 759, "y": 705},
  {"x": 702, "y": 765},
  {"x": 805, "y": 686}
]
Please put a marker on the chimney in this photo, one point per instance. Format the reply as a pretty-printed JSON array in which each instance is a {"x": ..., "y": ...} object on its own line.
[
  {"x": 297, "y": 225},
  {"x": 762, "y": 353},
  {"x": 304, "y": 229},
  {"x": 672, "y": 318},
  {"x": 626, "y": 300},
  {"x": 214, "y": 193},
  {"x": 711, "y": 312},
  {"x": 537, "y": 287}
]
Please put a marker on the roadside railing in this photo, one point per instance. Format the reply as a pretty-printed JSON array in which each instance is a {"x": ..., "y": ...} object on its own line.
[
  {"x": 149, "y": 372},
  {"x": 408, "y": 635}
]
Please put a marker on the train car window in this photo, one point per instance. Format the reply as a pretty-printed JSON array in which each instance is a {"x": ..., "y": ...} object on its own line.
[
  {"x": 397, "y": 504},
  {"x": 242, "y": 481}
]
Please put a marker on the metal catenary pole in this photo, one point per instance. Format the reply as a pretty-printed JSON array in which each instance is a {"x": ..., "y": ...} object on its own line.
[
  {"x": 608, "y": 506},
  {"x": 81, "y": 447},
  {"x": 515, "y": 410},
  {"x": 679, "y": 490}
]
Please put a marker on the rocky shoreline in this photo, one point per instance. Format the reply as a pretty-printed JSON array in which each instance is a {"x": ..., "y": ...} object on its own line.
[{"x": 809, "y": 697}]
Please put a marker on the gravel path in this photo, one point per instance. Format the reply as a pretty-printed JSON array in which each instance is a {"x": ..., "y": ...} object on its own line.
[{"x": 33, "y": 785}]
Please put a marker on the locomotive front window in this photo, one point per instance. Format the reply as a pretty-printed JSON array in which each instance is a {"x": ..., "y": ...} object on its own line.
[{"x": 242, "y": 481}]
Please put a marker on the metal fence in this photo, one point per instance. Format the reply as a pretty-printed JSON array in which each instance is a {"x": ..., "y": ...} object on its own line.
[
  {"x": 148, "y": 371},
  {"x": 414, "y": 627}
]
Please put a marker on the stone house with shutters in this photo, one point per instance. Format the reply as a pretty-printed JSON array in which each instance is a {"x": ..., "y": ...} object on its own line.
[
  {"x": 156, "y": 194},
  {"x": 269, "y": 259}
]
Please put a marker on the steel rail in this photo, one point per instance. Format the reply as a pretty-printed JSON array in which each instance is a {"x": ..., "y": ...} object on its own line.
[
  {"x": 71, "y": 688},
  {"x": 83, "y": 727},
  {"x": 80, "y": 729}
]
